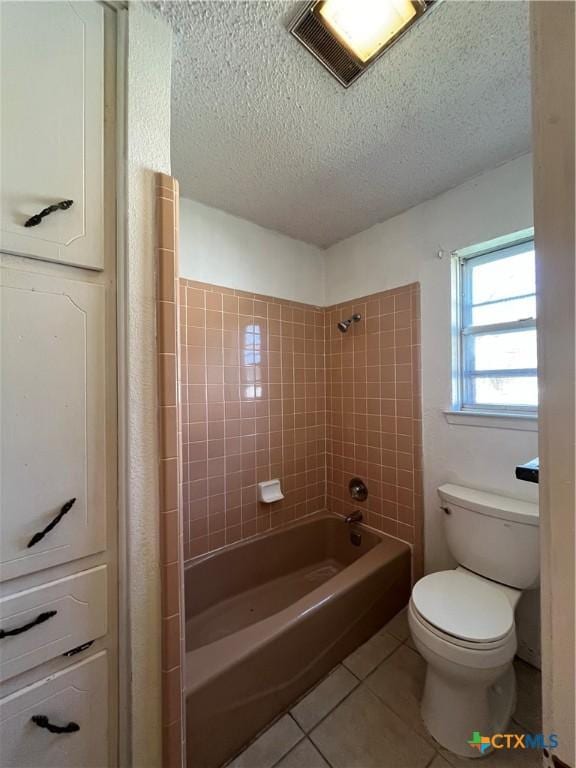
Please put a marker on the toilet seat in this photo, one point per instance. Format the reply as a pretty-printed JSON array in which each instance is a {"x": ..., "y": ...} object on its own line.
[
  {"x": 464, "y": 609},
  {"x": 456, "y": 642}
]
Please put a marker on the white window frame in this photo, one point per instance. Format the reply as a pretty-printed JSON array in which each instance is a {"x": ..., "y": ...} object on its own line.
[{"x": 462, "y": 328}]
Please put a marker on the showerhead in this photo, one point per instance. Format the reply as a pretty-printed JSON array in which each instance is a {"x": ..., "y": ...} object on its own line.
[{"x": 343, "y": 325}]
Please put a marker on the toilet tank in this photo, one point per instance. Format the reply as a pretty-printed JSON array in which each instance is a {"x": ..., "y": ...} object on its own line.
[{"x": 494, "y": 536}]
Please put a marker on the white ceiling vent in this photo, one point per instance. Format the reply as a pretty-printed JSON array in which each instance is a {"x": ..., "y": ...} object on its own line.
[{"x": 348, "y": 36}]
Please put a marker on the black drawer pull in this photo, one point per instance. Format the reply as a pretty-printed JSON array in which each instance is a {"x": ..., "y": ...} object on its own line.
[
  {"x": 42, "y": 722},
  {"x": 40, "y": 619},
  {"x": 40, "y": 535},
  {"x": 33, "y": 221},
  {"x": 79, "y": 648}
]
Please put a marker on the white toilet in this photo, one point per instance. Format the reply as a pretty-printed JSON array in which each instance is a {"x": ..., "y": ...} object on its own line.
[{"x": 462, "y": 621}]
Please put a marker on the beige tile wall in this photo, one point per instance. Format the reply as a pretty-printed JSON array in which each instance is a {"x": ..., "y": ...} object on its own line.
[
  {"x": 253, "y": 409},
  {"x": 271, "y": 388},
  {"x": 374, "y": 418},
  {"x": 171, "y": 539}
]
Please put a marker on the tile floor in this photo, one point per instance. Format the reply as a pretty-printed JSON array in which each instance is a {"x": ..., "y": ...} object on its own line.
[{"x": 366, "y": 714}]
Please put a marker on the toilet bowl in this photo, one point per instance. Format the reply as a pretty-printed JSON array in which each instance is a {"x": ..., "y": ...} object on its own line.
[
  {"x": 463, "y": 626},
  {"x": 462, "y": 621}
]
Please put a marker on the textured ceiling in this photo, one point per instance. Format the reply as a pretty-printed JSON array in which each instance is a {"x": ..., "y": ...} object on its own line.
[{"x": 261, "y": 130}]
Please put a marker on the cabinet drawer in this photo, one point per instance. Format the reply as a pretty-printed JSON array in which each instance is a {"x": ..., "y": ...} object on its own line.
[
  {"x": 52, "y": 104},
  {"x": 77, "y": 694},
  {"x": 53, "y": 405},
  {"x": 54, "y": 617}
]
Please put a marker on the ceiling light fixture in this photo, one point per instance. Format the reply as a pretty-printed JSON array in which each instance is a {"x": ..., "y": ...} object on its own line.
[
  {"x": 366, "y": 26},
  {"x": 347, "y": 36}
]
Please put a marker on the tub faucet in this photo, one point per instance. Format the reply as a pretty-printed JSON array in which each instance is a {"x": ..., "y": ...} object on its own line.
[{"x": 355, "y": 517}]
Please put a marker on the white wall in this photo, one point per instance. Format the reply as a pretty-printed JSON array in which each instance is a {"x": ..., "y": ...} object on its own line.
[
  {"x": 403, "y": 250},
  {"x": 218, "y": 248},
  {"x": 148, "y": 69}
]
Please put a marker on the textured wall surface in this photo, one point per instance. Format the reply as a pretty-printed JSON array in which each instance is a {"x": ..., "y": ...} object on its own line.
[
  {"x": 263, "y": 131},
  {"x": 224, "y": 250},
  {"x": 148, "y": 64},
  {"x": 253, "y": 409}
]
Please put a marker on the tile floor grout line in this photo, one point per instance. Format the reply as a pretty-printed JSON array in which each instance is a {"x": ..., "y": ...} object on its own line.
[
  {"x": 262, "y": 733},
  {"x": 380, "y": 633},
  {"x": 382, "y": 703},
  {"x": 434, "y": 756},
  {"x": 290, "y": 715},
  {"x": 290, "y": 752},
  {"x": 386, "y": 705},
  {"x": 406, "y": 722},
  {"x": 313, "y": 746},
  {"x": 359, "y": 684},
  {"x": 377, "y": 667},
  {"x": 259, "y": 736},
  {"x": 314, "y": 688},
  {"x": 330, "y": 712},
  {"x": 401, "y": 717},
  {"x": 356, "y": 687},
  {"x": 337, "y": 705},
  {"x": 349, "y": 670},
  {"x": 307, "y": 735}
]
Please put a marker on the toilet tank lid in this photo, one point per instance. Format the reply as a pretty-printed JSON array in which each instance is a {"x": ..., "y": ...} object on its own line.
[{"x": 492, "y": 504}]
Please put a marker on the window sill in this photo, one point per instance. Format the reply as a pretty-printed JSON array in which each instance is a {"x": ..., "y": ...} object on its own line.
[{"x": 518, "y": 421}]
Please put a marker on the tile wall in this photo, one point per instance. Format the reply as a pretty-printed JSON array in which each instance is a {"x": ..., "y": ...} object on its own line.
[
  {"x": 271, "y": 388},
  {"x": 171, "y": 512},
  {"x": 374, "y": 418},
  {"x": 253, "y": 408}
]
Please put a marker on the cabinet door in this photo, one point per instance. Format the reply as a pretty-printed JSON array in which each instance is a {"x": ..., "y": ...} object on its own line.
[
  {"x": 52, "y": 95},
  {"x": 77, "y": 694},
  {"x": 46, "y": 621},
  {"x": 53, "y": 421}
]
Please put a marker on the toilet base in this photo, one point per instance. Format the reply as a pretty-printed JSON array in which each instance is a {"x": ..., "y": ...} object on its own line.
[{"x": 452, "y": 711}]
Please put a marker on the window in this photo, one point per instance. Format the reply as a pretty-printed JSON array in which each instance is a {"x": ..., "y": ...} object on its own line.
[
  {"x": 251, "y": 374},
  {"x": 495, "y": 360}
]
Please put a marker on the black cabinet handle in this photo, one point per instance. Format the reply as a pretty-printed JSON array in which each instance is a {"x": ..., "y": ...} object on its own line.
[
  {"x": 40, "y": 535},
  {"x": 40, "y": 619},
  {"x": 33, "y": 221},
  {"x": 42, "y": 722}
]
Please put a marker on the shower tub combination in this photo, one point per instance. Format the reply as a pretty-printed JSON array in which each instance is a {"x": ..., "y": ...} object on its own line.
[{"x": 267, "y": 618}]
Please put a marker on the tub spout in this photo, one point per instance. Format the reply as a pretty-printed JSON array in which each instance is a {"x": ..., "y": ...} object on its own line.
[{"x": 355, "y": 517}]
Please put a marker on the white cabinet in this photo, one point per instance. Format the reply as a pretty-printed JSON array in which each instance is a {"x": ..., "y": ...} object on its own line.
[
  {"x": 75, "y": 697},
  {"x": 52, "y": 138},
  {"x": 43, "y": 622},
  {"x": 58, "y": 428},
  {"x": 53, "y": 421}
]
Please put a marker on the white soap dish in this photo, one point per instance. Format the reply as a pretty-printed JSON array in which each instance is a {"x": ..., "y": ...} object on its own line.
[{"x": 269, "y": 491}]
